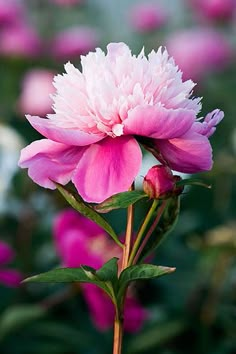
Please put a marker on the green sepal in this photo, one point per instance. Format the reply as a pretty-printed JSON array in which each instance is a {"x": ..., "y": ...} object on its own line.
[
  {"x": 192, "y": 182},
  {"x": 120, "y": 200},
  {"x": 85, "y": 209}
]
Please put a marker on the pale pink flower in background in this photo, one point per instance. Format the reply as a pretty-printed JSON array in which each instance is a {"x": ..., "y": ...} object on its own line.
[
  {"x": 20, "y": 40},
  {"x": 36, "y": 90},
  {"x": 100, "y": 115},
  {"x": 79, "y": 241},
  {"x": 74, "y": 42},
  {"x": 146, "y": 17},
  {"x": 10, "y": 12},
  {"x": 214, "y": 9},
  {"x": 199, "y": 51},
  {"x": 8, "y": 277}
]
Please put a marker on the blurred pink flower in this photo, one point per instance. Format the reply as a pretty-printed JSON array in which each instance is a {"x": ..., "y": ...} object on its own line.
[
  {"x": 214, "y": 9},
  {"x": 101, "y": 112},
  {"x": 80, "y": 241},
  {"x": 199, "y": 51},
  {"x": 74, "y": 42},
  {"x": 36, "y": 89},
  {"x": 146, "y": 17},
  {"x": 8, "y": 277},
  {"x": 20, "y": 41},
  {"x": 10, "y": 12},
  {"x": 67, "y": 2}
]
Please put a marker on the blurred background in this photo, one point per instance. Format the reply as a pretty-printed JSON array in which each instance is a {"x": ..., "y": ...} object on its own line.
[{"x": 190, "y": 311}]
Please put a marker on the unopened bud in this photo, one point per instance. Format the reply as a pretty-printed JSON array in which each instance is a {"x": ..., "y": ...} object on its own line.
[{"x": 159, "y": 182}]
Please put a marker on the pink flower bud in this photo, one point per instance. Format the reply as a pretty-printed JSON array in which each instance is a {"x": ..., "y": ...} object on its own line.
[
  {"x": 214, "y": 9},
  {"x": 147, "y": 17},
  {"x": 158, "y": 182}
]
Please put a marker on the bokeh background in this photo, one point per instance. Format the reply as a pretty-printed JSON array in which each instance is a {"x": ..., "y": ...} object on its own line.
[{"x": 190, "y": 311}]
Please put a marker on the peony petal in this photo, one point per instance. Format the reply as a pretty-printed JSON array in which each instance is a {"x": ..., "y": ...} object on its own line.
[
  {"x": 70, "y": 136},
  {"x": 49, "y": 161},
  {"x": 107, "y": 167},
  {"x": 134, "y": 315},
  {"x": 158, "y": 122},
  {"x": 191, "y": 153}
]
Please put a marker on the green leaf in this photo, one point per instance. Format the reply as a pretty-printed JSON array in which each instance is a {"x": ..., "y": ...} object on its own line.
[
  {"x": 17, "y": 317},
  {"x": 165, "y": 225},
  {"x": 140, "y": 272},
  {"x": 78, "y": 204},
  {"x": 109, "y": 271},
  {"x": 120, "y": 200},
  {"x": 192, "y": 182}
]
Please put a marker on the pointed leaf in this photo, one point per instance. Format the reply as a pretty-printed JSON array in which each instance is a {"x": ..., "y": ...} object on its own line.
[
  {"x": 78, "y": 204},
  {"x": 165, "y": 225},
  {"x": 140, "y": 272},
  {"x": 120, "y": 200},
  {"x": 84, "y": 274},
  {"x": 192, "y": 182}
]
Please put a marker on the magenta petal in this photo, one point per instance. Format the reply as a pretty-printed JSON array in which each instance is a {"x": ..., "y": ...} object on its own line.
[
  {"x": 6, "y": 253},
  {"x": 107, "y": 167},
  {"x": 191, "y": 153},
  {"x": 10, "y": 277},
  {"x": 134, "y": 315},
  {"x": 49, "y": 161},
  {"x": 52, "y": 131},
  {"x": 158, "y": 122}
]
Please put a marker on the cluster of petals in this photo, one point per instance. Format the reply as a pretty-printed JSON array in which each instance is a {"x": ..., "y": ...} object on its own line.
[
  {"x": 80, "y": 241},
  {"x": 199, "y": 51},
  {"x": 102, "y": 112},
  {"x": 8, "y": 277}
]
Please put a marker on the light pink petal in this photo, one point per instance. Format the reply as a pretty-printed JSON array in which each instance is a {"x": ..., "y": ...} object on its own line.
[
  {"x": 6, "y": 253},
  {"x": 49, "y": 161},
  {"x": 158, "y": 122},
  {"x": 69, "y": 136},
  {"x": 208, "y": 126},
  {"x": 107, "y": 167},
  {"x": 10, "y": 277},
  {"x": 191, "y": 153}
]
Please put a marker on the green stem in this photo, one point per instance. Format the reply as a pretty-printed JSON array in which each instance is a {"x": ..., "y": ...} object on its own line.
[
  {"x": 150, "y": 231},
  {"x": 141, "y": 231}
]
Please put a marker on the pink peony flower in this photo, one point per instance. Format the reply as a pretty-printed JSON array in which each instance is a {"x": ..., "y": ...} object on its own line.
[
  {"x": 20, "y": 41},
  {"x": 36, "y": 89},
  {"x": 199, "y": 51},
  {"x": 147, "y": 17},
  {"x": 8, "y": 277},
  {"x": 214, "y": 9},
  {"x": 74, "y": 42},
  {"x": 158, "y": 181},
  {"x": 10, "y": 12},
  {"x": 102, "y": 112},
  {"x": 80, "y": 241}
]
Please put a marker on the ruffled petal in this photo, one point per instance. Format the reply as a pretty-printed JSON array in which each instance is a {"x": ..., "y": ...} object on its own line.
[
  {"x": 69, "y": 136},
  {"x": 191, "y": 153},
  {"x": 158, "y": 122},
  {"x": 107, "y": 167},
  {"x": 49, "y": 161}
]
